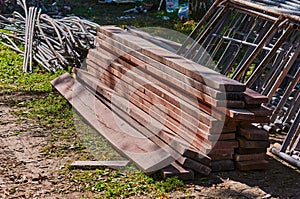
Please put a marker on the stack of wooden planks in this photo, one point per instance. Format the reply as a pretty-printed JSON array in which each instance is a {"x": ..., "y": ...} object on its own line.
[{"x": 163, "y": 111}]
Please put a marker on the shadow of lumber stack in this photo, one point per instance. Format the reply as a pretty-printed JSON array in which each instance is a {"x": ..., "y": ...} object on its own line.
[{"x": 190, "y": 114}]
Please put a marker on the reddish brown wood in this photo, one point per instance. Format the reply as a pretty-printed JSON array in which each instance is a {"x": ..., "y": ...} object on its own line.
[
  {"x": 247, "y": 144},
  {"x": 227, "y": 144},
  {"x": 249, "y": 157},
  {"x": 140, "y": 150},
  {"x": 181, "y": 82},
  {"x": 252, "y": 165},
  {"x": 222, "y": 165},
  {"x": 131, "y": 110},
  {"x": 189, "y": 68},
  {"x": 253, "y": 98},
  {"x": 250, "y": 150},
  {"x": 196, "y": 166},
  {"x": 221, "y": 156},
  {"x": 182, "y": 115},
  {"x": 251, "y": 132},
  {"x": 156, "y": 92}
]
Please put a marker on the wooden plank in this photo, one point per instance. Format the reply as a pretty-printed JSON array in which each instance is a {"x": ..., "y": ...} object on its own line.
[
  {"x": 183, "y": 117},
  {"x": 248, "y": 157},
  {"x": 215, "y": 112},
  {"x": 187, "y": 67},
  {"x": 179, "y": 84},
  {"x": 222, "y": 165},
  {"x": 142, "y": 151},
  {"x": 172, "y": 108},
  {"x": 261, "y": 111},
  {"x": 143, "y": 119},
  {"x": 114, "y": 164},
  {"x": 194, "y": 129},
  {"x": 252, "y": 165},
  {"x": 196, "y": 166},
  {"x": 164, "y": 78},
  {"x": 164, "y": 96},
  {"x": 196, "y": 155},
  {"x": 164, "y": 43},
  {"x": 251, "y": 132},
  {"x": 172, "y": 77},
  {"x": 182, "y": 92},
  {"x": 247, "y": 144},
  {"x": 130, "y": 110},
  {"x": 250, "y": 150},
  {"x": 145, "y": 35},
  {"x": 175, "y": 170},
  {"x": 223, "y": 156},
  {"x": 226, "y": 144},
  {"x": 227, "y": 136},
  {"x": 253, "y": 98}
]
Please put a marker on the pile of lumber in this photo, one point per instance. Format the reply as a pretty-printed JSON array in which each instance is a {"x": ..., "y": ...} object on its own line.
[{"x": 165, "y": 112}]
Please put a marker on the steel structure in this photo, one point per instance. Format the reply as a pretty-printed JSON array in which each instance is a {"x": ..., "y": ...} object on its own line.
[{"x": 257, "y": 43}]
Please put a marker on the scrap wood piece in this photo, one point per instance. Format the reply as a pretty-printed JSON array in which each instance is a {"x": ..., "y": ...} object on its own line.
[
  {"x": 143, "y": 152},
  {"x": 190, "y": 68},
  {"x": 175, "y": 169},
  {"x": 99, "y": 164}
]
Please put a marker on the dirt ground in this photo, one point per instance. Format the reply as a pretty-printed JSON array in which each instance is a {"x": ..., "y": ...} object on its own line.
[{"x": 26, "y": 173}]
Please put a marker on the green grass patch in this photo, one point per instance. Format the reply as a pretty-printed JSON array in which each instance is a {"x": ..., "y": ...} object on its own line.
[{"x": 115, "y": 183}]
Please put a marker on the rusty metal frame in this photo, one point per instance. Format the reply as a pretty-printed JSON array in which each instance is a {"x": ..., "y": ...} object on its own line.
[{"x": 258, "y": 44}]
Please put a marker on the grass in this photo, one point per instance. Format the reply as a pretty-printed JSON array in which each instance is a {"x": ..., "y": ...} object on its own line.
[{"x": 39, "y": 103}]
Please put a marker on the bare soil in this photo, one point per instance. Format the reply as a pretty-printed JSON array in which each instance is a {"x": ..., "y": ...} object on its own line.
[{"x": 25, "y": 172}]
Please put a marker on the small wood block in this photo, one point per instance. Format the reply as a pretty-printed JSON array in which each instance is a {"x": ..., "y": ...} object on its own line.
[
  {"x": 99, "y": 164},
  {"x": 175, "y": 169},
  {"x": 196, "y": 166},
  {"x": 222, "y": 165},
  {"x": 243, "y": 143},
  {"x": 248, "y": 157},
  {"x": 251, "y": 132},
  {"x": 252, "y": 165},
  {"x": 253, "y": 98}
]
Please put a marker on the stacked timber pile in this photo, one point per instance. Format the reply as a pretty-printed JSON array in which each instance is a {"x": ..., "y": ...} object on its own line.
[{"x": 165, "y": 112}]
